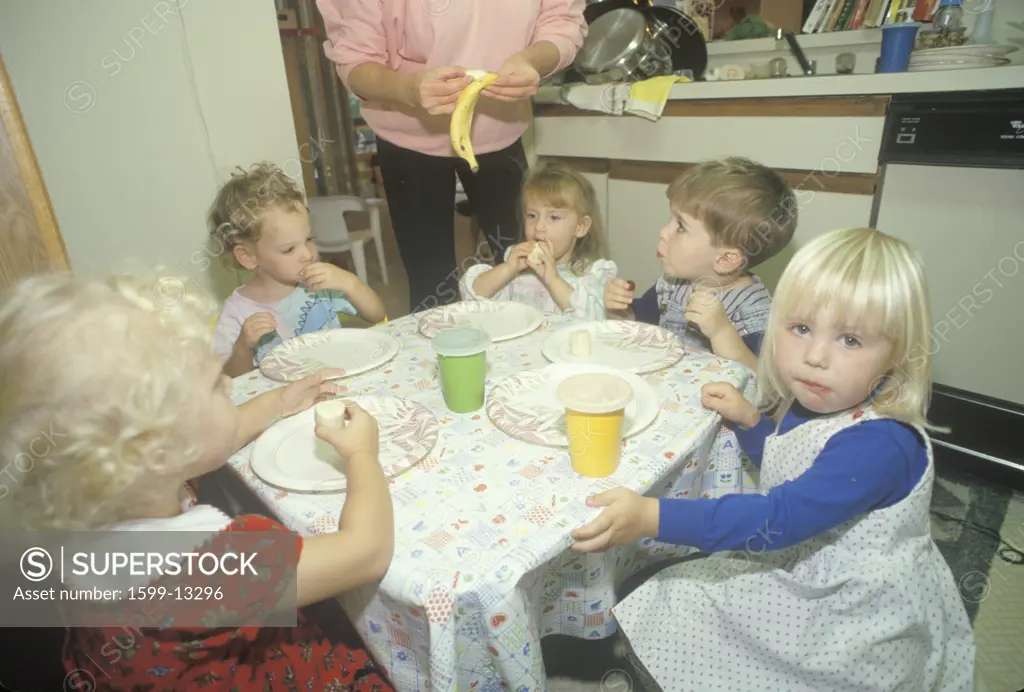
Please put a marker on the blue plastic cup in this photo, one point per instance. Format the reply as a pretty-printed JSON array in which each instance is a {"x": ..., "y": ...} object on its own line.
[{"x": 897, "y": 45}]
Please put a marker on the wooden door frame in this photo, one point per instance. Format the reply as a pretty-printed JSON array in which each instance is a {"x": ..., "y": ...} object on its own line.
[{"x": 31, "y": 176}]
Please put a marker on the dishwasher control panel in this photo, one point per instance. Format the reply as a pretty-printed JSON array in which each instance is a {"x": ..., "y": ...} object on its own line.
[{"x": 983, "y": 129}]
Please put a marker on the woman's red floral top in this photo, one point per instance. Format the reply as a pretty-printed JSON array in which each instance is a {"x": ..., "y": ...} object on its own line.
[{"x": 170, "y": 658}]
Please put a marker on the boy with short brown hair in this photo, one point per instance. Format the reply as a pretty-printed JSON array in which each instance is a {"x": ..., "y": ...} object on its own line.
[{"x": 728, "y": 216}]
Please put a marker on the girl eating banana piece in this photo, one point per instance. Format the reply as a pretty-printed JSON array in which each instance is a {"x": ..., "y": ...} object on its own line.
[{"x": 560, "y": 263}]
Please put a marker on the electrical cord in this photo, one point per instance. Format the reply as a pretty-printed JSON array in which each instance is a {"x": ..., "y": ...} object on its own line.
[
  {"x": 1010, "y": 554},
  {"x": 190, "y": 69}
]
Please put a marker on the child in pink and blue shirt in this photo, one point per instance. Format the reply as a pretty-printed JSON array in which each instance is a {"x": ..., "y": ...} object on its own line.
[{"x": 260, "y": 221}]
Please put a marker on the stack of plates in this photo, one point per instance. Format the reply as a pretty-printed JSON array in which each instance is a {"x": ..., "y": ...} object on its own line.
[{"x": 959, "y": 58}]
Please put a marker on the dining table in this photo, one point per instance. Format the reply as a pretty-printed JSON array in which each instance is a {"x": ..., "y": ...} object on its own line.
[{"x": 482, "y": 567}]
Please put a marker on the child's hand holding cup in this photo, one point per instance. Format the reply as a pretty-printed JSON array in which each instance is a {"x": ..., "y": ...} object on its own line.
[
  {"x": 353, "y": 433},
  {"x": 330, "y": 414}
]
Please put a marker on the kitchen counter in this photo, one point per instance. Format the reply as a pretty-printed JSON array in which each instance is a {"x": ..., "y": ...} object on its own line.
[{"x": 1005, "y": 77}]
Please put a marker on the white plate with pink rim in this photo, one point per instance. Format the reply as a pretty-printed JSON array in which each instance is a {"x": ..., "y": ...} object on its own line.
[
  {"x": 622, "y": 344},
  {"x": 525, "y": 405},
  {"x": 352, "y": 351},
  {"x": 502, "y": 319},
  {"x": 291, "y": 457}
]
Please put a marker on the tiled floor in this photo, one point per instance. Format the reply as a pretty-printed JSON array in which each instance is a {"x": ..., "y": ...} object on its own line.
[{"x": 999, "y": 624}]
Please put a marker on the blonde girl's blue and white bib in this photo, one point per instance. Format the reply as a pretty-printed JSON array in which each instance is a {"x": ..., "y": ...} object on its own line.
[{"x": 868, "y": 605}]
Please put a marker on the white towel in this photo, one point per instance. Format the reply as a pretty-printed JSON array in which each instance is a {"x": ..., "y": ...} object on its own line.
[
  {"x": 606, "y": 98},
  {"x": 618, "y": 98}
]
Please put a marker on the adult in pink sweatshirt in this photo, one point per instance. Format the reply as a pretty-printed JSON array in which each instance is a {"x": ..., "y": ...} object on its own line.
[{"x": 406, "y": 61}]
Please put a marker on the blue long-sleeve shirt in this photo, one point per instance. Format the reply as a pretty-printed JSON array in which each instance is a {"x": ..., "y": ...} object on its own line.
[{"x": 865, "y": 467}]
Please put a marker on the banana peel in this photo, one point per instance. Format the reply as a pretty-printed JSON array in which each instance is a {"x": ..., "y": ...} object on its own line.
[{"x": 462, "y": 117}]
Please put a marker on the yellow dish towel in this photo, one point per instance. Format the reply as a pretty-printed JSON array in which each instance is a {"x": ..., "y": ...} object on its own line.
[{"x": 647, "y": 98}]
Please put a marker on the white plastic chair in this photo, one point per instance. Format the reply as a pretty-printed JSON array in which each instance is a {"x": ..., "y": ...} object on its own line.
[
  {"x": 460, "y": 197},
  {"x": 327, "y": 216}
]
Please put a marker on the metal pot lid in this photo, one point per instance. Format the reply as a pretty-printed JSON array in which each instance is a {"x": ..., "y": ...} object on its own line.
[
  {"x": 683, "y": 37},
  {"x": 612, "y": 37},
  {"x": 596, "y": 8}
]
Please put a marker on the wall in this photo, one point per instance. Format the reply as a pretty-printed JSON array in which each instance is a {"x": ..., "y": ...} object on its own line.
[{"x": 138, "y": 109}]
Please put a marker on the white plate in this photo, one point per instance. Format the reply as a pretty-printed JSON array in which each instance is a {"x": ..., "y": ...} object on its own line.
[
  {"x": 351, "y": 350},
  {"x": 525, "y": 405},
  {"x": 291, "y": 457},
  {"x": 622, "y": 344},
  {"x": 934, "y": 67},
  {"x": 955, "y": 59},
  {"x": 502, "y": 319},
  {"x": 994, "y": 51}
]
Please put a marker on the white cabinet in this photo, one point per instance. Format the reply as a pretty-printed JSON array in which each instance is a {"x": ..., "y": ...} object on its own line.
[
  {"x": 636, "y": 213},
  {"x": 828, "y": 145},
  {"x": 817, "y": 213},
  {"x": 600, "y": 183}
]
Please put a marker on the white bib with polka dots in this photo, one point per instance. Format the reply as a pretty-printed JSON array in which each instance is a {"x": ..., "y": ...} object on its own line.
[{"x": 868, "y": 605}]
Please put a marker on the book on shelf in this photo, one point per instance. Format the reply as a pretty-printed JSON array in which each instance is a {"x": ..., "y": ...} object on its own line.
[
  {"x": 847, "y": 15},
  {"x": 858, "y": 14},
  {"x": 816, "y": 16},
  {"x": 833, "y": 18}
]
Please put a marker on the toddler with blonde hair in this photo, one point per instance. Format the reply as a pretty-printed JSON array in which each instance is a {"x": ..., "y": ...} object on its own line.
[
  {"x": 260, "y": 223},
  {"x": 138, "y": 396},
  {"x": 561, "y": 263},
  {"x": 829, "y": 579}
]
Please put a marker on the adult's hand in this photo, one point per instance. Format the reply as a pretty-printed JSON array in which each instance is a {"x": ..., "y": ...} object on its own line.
[
  {"x": 436, "y": 89},
  {"x": 517, "y": 79}
]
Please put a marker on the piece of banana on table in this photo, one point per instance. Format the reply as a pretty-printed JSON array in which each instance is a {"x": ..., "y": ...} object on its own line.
[
  {"x": 462, "y": 117},
  {"x": 579, "y": 343}
]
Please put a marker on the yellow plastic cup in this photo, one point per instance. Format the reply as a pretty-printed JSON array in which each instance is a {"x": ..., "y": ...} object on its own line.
[{"x": 595, "y": 406}]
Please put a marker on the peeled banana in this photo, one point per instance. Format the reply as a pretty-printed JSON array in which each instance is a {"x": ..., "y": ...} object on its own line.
[{"x": 462, "y": 117}]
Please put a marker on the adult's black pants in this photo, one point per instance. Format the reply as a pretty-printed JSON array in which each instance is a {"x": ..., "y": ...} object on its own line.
[{"x": 421, "y": 200}]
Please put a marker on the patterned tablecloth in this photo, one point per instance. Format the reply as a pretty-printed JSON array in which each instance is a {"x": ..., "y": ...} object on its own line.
[{"x": 482, "y": 569}]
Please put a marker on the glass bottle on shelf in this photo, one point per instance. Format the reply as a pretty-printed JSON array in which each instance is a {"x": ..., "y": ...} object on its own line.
[
  {"x": 982, "y": 32},
  {"x": 949, "y": 16}
]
